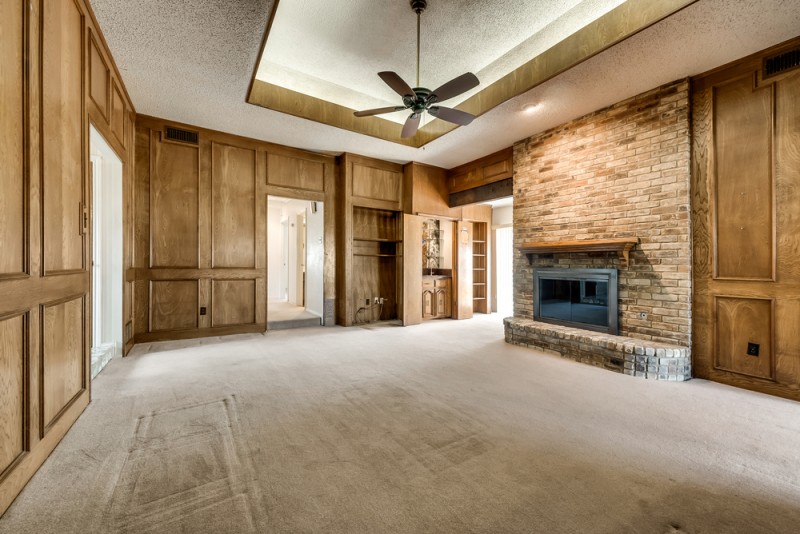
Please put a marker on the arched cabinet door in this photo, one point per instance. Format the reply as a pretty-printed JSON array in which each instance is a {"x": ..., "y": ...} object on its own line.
[
  {"x": 443, "y": 301},
  {"x": 428, "y": 304}
]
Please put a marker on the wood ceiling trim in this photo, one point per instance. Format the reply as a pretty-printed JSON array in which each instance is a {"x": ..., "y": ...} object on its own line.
[{"x": 612, "y": 28}]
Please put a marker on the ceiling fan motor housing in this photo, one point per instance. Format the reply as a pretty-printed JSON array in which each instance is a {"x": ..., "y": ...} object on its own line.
[
  {"x": 418, "y": 5},
  {"x": 420, "y": 101}
]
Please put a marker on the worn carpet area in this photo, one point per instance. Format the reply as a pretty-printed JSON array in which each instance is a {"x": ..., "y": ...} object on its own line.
[{"x": 440, "y": 427}]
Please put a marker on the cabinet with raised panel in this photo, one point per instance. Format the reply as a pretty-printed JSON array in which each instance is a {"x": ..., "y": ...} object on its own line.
[{"x": 436, "y": 296}]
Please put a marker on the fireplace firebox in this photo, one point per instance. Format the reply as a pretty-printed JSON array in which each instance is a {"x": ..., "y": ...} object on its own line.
[{"x": 581, "y": 298}]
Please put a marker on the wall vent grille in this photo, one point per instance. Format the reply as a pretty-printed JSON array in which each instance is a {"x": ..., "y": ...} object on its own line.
[
  {"x": 781, "y": 63},
  {"x": 182, "y": 136}
]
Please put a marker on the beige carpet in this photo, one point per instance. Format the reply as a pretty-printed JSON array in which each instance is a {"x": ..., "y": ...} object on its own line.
[{"x": 440, "y": 427}]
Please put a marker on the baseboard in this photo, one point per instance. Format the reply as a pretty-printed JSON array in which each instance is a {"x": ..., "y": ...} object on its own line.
[{"x": 172, "y": 335}]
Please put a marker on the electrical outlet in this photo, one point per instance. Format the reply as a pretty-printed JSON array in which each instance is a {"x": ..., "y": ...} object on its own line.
[
  {"x": 376, "y": 300},
  {"x": 367, "y": 304},
  {"x": 753, "y": 349},
  {"x": 202, "y": 310},
  {"x": 382, "y": 300}
]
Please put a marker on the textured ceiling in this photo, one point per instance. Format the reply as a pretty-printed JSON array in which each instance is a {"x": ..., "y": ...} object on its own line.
[
  {"x": 191, "y": 61},
  {"x": 334, "y": 50}
]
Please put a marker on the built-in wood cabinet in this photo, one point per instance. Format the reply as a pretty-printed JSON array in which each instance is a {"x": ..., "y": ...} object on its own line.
[
  {"x": 487, "y": 178},
  {"x": 436, "y": 297},
  {"x": 369, "y": 240}
]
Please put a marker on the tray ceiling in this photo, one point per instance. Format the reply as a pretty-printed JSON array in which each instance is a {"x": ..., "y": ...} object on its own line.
[
  {"x": 333, "y": 50},
  {"x": 192, "y": 61}
]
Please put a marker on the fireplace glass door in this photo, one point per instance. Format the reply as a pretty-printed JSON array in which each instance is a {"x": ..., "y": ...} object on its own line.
[{"x": 584, "y": 298}]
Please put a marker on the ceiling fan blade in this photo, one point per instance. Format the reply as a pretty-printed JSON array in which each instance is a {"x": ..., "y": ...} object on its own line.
[
  {"x": 455, "y": 116},
  {"x": 378, "y": 111},
  {"x": 394, "y": 81},
  {"x": 411, "y": 125},
  {"x": 455, "y": 87}
]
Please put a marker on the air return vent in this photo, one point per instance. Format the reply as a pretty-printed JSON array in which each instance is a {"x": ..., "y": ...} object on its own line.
[
  {"x": 781, "y": 63},
  {"x": 182, "y": 136}
]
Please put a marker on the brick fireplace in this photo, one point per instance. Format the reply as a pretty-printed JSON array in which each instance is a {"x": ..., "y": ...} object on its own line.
[{"x": 620, "y": 172}]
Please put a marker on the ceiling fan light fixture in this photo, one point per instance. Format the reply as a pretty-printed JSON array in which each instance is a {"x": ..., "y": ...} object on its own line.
[{"x": 420, "y": 99}]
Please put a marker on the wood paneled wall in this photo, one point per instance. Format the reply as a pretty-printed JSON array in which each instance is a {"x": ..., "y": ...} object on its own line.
[
  {"x": 746, "y": 226},
  {"x": 56, "y": 78},
  {"x": 200, "y": 229}
]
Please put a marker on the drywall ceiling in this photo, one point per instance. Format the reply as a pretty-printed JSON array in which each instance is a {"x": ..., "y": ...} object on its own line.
[
  {"x": 334, "y": 50},
  {"x": 191, "y": 61}
]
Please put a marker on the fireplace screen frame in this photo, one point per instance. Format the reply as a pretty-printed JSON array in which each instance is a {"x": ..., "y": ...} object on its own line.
[{"x": 609, "y": 276}]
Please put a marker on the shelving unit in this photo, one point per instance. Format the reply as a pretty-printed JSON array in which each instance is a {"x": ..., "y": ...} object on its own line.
[
  {"x": 376, "y": 258},
  {"x": 479, "y": 268}
]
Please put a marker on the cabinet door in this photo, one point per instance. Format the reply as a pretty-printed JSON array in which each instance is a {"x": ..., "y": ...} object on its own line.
[
  {"x": 442, "y": 302},
  {"x": 428, "y": 304},
  {"x": 463, "y": 282},
  {"x": 412, "y": 269}
]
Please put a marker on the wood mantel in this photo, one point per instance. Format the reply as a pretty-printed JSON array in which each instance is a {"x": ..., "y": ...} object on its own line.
[{"x": 622, "y": 246}]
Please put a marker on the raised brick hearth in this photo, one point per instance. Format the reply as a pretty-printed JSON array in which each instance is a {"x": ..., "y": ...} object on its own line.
[
  {"x": 635, "y": 357},
  {"x": 623, "y": 171}
]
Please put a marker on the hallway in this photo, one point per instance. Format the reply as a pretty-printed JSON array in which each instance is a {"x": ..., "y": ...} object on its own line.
[{"x": 282, "y": 316}]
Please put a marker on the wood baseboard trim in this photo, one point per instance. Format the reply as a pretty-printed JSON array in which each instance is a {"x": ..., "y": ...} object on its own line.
[{"x": 174, "y": 335}]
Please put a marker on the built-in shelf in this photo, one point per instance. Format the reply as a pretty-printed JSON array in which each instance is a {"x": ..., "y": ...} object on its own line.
[
  {"x": 480, "y": 236},
  {"x": 620, "y": 246}
]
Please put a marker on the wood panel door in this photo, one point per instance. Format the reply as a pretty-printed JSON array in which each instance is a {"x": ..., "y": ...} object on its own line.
[
  {"x": 45, "y": 311},
  {"x": 462, "y": 289},
  {"x": 746, "y": 226},
  {"x": 413, "y": 307}
]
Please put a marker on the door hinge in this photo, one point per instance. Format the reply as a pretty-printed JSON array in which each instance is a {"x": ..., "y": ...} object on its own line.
[{"x": 83, "y": 219}]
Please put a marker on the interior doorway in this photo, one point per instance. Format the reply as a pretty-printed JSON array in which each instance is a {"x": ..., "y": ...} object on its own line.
[
  {"x": 295, "y": 257},
  {"x": 503, "y": 257},
  {"x": 107, "y": 276},
  {"x": 504, "y": 241}
]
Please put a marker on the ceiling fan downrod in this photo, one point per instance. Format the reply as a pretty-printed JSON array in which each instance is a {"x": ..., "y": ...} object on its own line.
[{"x": 418, "y": 6}]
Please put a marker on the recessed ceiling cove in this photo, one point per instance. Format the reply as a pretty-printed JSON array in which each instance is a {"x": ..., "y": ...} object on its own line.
[{"x": 320, "y": 59}]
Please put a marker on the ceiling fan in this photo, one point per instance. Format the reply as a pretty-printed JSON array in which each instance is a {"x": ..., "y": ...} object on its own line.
[{"x": 419, "y": 99}]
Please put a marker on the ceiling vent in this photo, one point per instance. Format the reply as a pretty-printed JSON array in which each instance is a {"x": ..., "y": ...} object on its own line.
[
  {"x": 182, "y": 136},
  {"x": 781, "y": 63}
]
